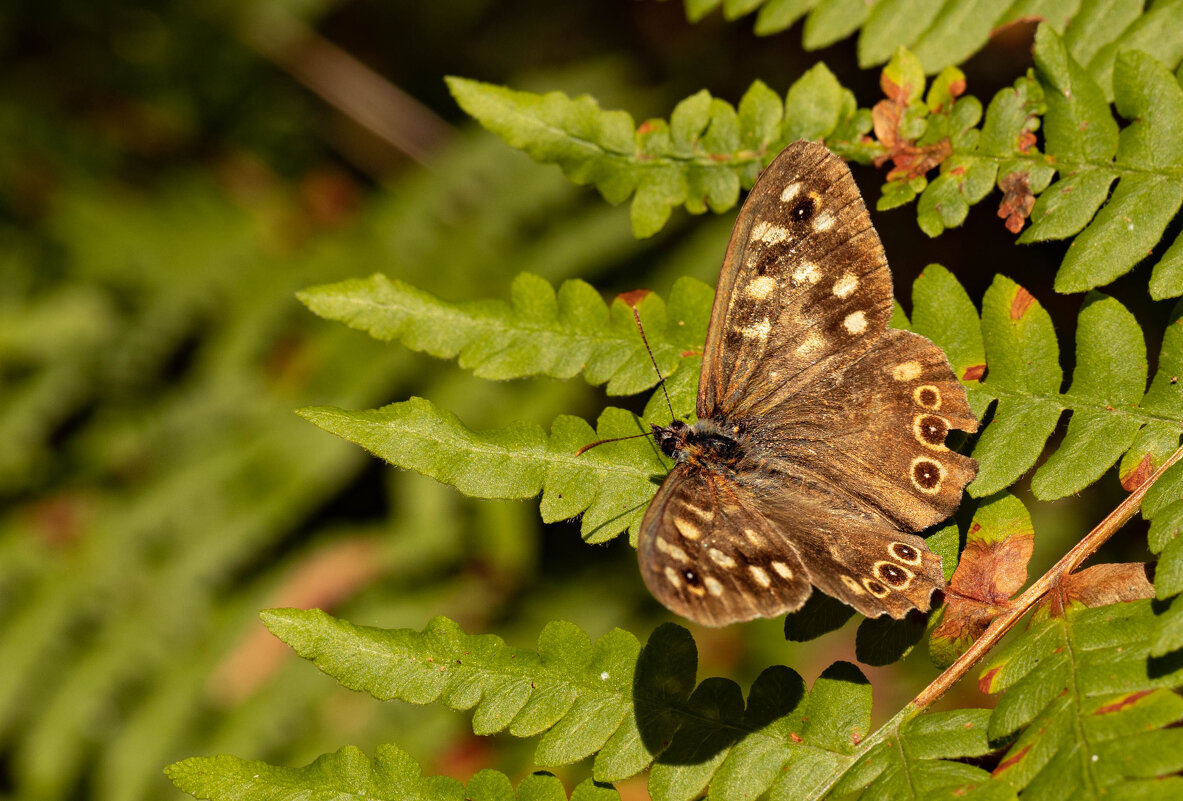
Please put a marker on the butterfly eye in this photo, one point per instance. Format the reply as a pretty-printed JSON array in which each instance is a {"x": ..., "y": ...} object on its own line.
[{"x": 803, "y": 210}]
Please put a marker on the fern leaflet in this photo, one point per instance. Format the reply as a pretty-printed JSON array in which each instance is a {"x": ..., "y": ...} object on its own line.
[
  {"x": 350, "y": 774},
  {"x": 540, "y": 332},
  {"x": 1088, "y": 705},
  {"x": 636, "y": 708},
  {"x": 947, "y": 32}
]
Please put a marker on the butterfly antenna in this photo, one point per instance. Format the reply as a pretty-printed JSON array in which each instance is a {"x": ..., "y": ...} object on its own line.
[
  {"x": 591, "y": 445},
  {"x": 661, "y": 382}
]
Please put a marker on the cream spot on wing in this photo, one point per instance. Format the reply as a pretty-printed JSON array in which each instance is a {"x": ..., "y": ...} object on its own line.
[
  {"x": 791, "y": 191},
  {"x": 850, "y": 583},
  {"x": 760, "y": 228},
  {"x": 757, "y": 330},
  {"x": 753, "y": 537},
  {"x": 812, "y": 343},
  {"x": 844, "y": 287},
  {"x": 855, "y": 322},
  {"x": 704, "y": 514},
  {"x": 760, "y": 575},
  {"x": 774, "y": 234},
  {"x": 672, "y": 577},
  {"x": 806, "y": 273},
  {"x": 782, "y": 570},
  {"x": 713, "y": 586},
  {"x": 720, "y": 558},
  {"x": 761, "y": 287},
  {"x": 686, "y": 528},
  {"x": 671, "y": 550},
  {"x": 908, "y": 371},
  {"x": 823, "y": 221}
]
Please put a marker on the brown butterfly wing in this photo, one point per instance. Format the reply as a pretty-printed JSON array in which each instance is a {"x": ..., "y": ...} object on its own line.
[
  {"x": 706, "y": 553},
  {"x": 804, "y": 287},
  {"x": 848, "y": 419},
  {"x": 871, "y": 566}
]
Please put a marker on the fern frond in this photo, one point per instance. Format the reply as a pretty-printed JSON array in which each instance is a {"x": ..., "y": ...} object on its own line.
[
  {"x": 700, "y": 158},
  {"x": 349, "y": 773},
  {"x": 610, "y": 485},
  {"x": 1163, "y": 507},
  {"x": 1146, "y": 160},
  {"x": 1087, "y": 706},
  {"x": 708, "y": 151},
  {"x": 540, "y": 332},
  {"x": 1109, "y": 407},
  {"x": 636, "y": 708},
  {"x": 1009, "y": 359},
  {"x": 947, "y": 32}
]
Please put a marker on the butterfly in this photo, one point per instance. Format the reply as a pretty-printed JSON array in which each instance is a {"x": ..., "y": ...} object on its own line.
[{"x": 820, "y": 439}]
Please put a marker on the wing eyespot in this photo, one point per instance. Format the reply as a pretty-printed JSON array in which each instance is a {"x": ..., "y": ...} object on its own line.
[{"x": 803, "y": 210}]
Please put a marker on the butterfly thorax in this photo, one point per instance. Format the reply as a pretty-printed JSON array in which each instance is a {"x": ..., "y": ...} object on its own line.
[{"x": 706, "y": 443}]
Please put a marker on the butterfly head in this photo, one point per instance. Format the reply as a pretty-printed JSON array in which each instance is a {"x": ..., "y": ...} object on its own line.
[
  {"x": 706, "y": 443},
  {"x": 672, "y": 439}
]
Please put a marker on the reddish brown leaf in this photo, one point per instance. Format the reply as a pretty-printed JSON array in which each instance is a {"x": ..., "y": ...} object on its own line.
[
  {"x": 1010, "y": 762},
  {"x": 993, "y": 567},
  {"x": 1137, "y": 477},
  {"x": 885, "y": 116},
  {"x": 633, "y": 297},
  {"x": 1017, "y": 199},
  {"x": 986, "y": 682},
  {"x": 1022, "y": 301},
  {"x": 974, "y": 372},
  {"x": 991, "y": 571},
  {"x": 1099, "y": 585},
  {"x": 1122, "y": 703}
]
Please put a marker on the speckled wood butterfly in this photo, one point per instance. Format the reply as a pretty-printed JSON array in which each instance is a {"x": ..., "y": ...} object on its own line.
[{"x": 820, "y": 439}]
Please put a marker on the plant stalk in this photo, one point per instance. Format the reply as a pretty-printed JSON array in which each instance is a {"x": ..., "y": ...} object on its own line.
[{"x": 1031, "y": 596}]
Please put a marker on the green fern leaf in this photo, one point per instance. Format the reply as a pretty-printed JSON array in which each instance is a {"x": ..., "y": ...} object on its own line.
[
  {"x": 1105, "y": 397},
  {"x": 1163, "y": 507},
  {"x": 1088, "y": 706},
  {"x": 610, "y": 485},
  {"x": 350, "y": 774},
  {"x": 915, "y": 763},
  {"x": 636, "y": 708},
  {"x": 945, "y": 32},
  {"x": 700, "y": 158},
  {"x": 540, "y": 332}
]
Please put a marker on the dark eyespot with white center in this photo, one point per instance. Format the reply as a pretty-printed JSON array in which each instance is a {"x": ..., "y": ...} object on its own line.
[
  {"x": 930, "y": 431},
  {"x": 927, "y": 475},
  {"x": 804, "y": 210},
  {"x": 904, "y": 552},
  {"x": 893, "y": 575},
  {"x": 875, "y": 588}
]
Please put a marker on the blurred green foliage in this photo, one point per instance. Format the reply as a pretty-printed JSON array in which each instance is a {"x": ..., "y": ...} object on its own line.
[{"x": 170, "y": 177}]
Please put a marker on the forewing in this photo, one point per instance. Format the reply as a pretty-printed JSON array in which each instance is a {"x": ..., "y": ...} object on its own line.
[
  {"x": 804, "y": 284},
  {"x": 876, "y": 432},
  {"x": 707, "y": 554}
]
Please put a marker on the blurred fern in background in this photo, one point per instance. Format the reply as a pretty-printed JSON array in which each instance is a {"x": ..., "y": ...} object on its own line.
[{"x": 173, "y": 174}]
